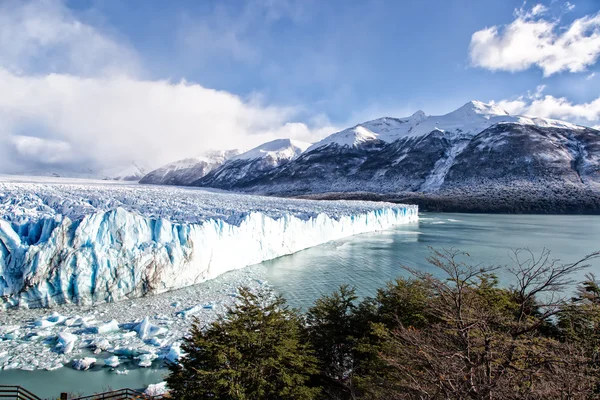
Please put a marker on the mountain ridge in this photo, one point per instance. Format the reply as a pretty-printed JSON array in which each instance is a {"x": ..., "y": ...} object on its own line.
[{"x": 476, "y": 148}]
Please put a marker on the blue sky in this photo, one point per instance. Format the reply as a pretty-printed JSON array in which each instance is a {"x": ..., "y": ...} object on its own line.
[
  {"x": 279, "y": 67},
  {"x": 336, "y": 57}
]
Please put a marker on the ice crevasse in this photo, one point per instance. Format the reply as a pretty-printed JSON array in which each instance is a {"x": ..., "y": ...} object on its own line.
[{"x": 118, "y": 249}]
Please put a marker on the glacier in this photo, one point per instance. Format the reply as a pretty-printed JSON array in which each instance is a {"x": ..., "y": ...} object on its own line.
[{"x": 63, "y": 241}]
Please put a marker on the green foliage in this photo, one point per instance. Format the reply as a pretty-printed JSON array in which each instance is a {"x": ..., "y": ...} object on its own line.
[
  {"x": 404, "y": 301},
  {"x": 254, "y": 352},
  {"x": 331, "y": 330},
  {"x": 455, "y": 335}
]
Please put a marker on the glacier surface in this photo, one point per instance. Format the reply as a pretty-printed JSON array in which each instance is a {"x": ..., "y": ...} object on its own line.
[{"x": 67, "y": 242}]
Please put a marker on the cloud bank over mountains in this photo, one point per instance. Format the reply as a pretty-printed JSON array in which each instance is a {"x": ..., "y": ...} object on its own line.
[{"x": 75, "y": 98}]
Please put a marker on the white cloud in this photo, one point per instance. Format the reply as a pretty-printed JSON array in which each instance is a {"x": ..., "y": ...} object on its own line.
[
  {"x": 530, "y": 40},
  {"x": 45, "y": 36},
  {"x": 562, "y": 108},
  {"x": 569, "y": 7},
  {"x": 108, "y": 121},
  {"x": 591, "y": 76},
  {"x": 73, "y": 97},
  {"x": 539, "y": 105}
]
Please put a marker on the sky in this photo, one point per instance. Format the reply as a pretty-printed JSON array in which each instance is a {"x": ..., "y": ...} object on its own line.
[{"x": 94, "y": 85}]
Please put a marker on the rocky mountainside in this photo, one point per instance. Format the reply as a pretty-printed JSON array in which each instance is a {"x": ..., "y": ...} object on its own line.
[
  {"x": 186, "y": 171},
  {"x": 474, "y": 150},
  {"x": 254, "y": 164}
]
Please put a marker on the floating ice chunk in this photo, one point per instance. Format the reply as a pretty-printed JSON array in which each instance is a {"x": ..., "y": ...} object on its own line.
[
  {"x": 127, "y": 351},
  {"x": 84, "y": 364},
  {"x": 12, "y": 335},
  {"x": 147, "y": 330},
  {"x": 112, "y": 362},
  {"x": 188, "y": 312},
  {"x": 54, "y": 319},
  {"x": 100, "y": 344},
  {"x": 157, "y": 389},
  {"x": 54, "y": 367},
  {"x": 66, "y": 341},
  {"x": 74, "y": 321},
  {"x": 146, "y": 360},
  {"x": 157, "y": 342},
  {"x": 122, "y": 372},
  {"x": 112, "y": 326},
  {"x": 174, "y": 353},
  {"x": 12, "y": 365},
  {"x": 8, "y": 329}
]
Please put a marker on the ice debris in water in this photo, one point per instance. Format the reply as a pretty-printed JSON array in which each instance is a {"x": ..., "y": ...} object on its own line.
[
  {"x": 66, "y": 341},
  {"x": 147, "y": 330},
  {"x": 157, "y": 389},
  {"x": 54, "y": 319},
  {"x": 84, "y": 364},
  {"x": 174, "y": 353},
  {"x": 27, "y": 345},
  {"x": 146, "y": 359},
  {"x": 112, "y": 326},
  {"x": 112, "y": 361}
]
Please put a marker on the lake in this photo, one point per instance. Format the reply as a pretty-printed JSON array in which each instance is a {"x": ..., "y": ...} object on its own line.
[{"x": 367, "y": 262}]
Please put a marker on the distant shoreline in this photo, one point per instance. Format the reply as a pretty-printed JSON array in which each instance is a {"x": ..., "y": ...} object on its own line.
[{"x": 481, "y": 202}]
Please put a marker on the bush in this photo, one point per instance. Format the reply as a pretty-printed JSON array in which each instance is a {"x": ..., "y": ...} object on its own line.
[{"x": 253, "y": 352}]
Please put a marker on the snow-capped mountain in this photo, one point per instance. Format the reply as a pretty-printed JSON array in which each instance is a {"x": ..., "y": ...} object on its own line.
[
  {"x": 477, "y": 146},
  {"x": 469, "y": 119},
  {"x": 254, "y": 163},
  {"x": 188, "y": 170}
]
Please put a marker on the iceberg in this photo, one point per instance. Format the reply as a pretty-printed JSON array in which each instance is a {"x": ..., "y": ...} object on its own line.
[
  {"x": 112, "y": 362},
  {"x": 84, "y": 364},
  {"x": 174, "y": 353},
  {"x": 147, "y": 330},
  {"x": 62, "y": 242},
  {"x": 157, "y": 389},
  {"x": 66, "y": 341},
  {"x": 112, "y": 326}
]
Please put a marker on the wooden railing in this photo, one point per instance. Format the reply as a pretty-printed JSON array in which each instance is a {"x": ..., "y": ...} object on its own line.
[
  {"x": 16, "y": 393},
  {"x": 122, "y": 394},
  {"x": 20, "y": 393}
]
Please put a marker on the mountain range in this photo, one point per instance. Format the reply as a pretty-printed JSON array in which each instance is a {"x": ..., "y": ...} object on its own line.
[{"x": 476, "y": 158}]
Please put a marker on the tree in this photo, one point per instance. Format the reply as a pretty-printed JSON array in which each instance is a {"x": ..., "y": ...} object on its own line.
[
  {"x": 253, "y": 352},
  {"x": 488, "y": 343},
  {"x": 332, "y": 332}
]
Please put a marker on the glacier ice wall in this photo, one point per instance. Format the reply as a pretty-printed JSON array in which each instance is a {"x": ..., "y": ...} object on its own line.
[{"x": 103, "y": 254}]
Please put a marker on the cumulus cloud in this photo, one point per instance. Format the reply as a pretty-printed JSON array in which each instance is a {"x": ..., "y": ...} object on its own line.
[
  {"x": 540, "y": 105},
  {"x": 533, "y": 40},
  {"x": 74, "y": 98}
]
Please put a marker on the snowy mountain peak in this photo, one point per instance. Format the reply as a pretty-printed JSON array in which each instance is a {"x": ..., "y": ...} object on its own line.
[
  {"x": 470, "y": 119},
  {"x": 187, "y": 170},
  {"x": 475, "y": 107},
  {"x": 418, "y": 115},
  {"x": 277, "y": 149}
]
